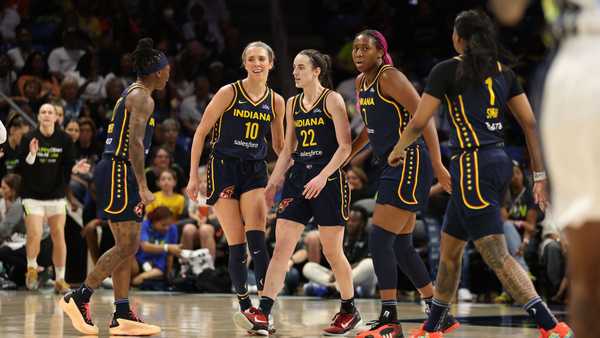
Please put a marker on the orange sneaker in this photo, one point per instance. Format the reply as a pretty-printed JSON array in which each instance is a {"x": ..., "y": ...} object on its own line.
[
  {"x": 561, "y": 330},
  {"x": 380, "y": 329},
  {"x": 131, "y": 325},
  {"x": 31, "y": 279},
  {"x": 421, "y": 333},
  {"x": 79, "y": 313},
  {"x": 61, "y": 287}
]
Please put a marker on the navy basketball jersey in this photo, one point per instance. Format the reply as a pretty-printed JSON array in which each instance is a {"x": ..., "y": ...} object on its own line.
[
  {"x": 315, "y": 131},
  {"x": 384, "y": 118},
  {"x": 475, "y": 110},
  {"x": 241, "y": 130},
  {"x": 117, "y": 138}
]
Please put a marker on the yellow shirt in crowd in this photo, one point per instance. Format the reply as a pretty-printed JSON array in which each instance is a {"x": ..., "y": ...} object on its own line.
[{"x": 175, "y": 203}]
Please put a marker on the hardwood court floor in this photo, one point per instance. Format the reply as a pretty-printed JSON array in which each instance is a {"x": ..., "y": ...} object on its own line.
[{"x": 37, "y": 315}]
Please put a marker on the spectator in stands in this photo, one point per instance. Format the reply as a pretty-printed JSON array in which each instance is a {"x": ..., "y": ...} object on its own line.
[
  {"x": 180, "y": 153},
  {"x": 357, "y": 180},
  {"x": 102, "y": 114},
  {"x": 158, "y": 246},
  {"x": 72, "y": 128},
  {"x": 166, "y": 196},
  {"x": 32, "y": 99},
  {"x": 9, "y": 20},
  {"x": 192, "y": 107},
  {"x": 22, "y": 50},
  {"x": 7, "y": 75},
  {"x": 161, "y": 161},
  {"x": 91, "y": 82},
  {"x": 87, "y": 147},
  {"x": 9, "y": 156},
  {"x": 71, "y": 99},
  {"x": 36, "y": 68},
  {"x": 64, "y": 58},
  {"x": 356, "y": 248},
  {"x": 553, "y": 254}
]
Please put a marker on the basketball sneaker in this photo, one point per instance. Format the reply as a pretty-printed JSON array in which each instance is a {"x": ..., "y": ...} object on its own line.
[
  {"x": 421, "y": 333},
  {"x": 31, "y": 279},
  {"x": 450, "y": 324},
  {"x": 79, "y": 313},
  {"x": 254, "y": 321},
  {"x": 379, "y": 329},
  {"x": 561, "y": 330},
  {"x": 342, "y": 323},
  {"x": 61, "y": 287},
  {"x": 131, "y": 325}
]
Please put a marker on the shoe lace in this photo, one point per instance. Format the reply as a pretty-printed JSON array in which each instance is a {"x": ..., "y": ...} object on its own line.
[{"x": 377, "y": 323}]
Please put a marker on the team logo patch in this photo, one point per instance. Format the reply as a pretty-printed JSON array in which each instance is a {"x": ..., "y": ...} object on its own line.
[
  {"x": 265, "y": 106},
  {"x": 284, "y": 204},
  {"x": 227, "y": 193},
  {"x": 139, "y": 209}
]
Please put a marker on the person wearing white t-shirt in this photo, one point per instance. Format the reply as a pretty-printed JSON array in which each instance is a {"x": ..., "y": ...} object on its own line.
[{"x": 64, "y": 59}]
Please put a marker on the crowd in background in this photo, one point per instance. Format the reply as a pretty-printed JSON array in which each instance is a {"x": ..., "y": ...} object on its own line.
[{"x": 76, "y": 55}]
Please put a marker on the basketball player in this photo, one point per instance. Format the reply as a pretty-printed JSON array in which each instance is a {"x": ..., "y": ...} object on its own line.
[
  {"x": 122, "y": 193},
  {"x": 318, "y": 140},
  {"x": 240, "y": 115},
  {"x": 475, "y": 90},
  {"x": 386, "y": 101}
]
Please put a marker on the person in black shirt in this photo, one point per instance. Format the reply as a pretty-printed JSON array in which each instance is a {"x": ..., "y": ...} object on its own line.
[
  {"x": 46, "y": 159},
  {"x": 9, "y": 155},
  {"x": 475, "y": 90}
]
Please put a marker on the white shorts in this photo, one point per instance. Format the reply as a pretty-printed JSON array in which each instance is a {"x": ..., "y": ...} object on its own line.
[
  {"x": 571, "y": 131},
  {"x": 45, "y": 207}
]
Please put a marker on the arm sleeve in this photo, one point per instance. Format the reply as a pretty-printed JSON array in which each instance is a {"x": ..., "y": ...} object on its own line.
[{"x": 439, "y": 80}]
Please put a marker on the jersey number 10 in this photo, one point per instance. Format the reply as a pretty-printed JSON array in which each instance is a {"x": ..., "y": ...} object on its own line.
[{"x": 251, "y": 130}]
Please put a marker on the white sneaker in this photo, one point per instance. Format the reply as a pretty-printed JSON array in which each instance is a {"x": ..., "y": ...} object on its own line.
[
  {"x": 107, "y": 283},
  {"x": 464, "y": 295}
]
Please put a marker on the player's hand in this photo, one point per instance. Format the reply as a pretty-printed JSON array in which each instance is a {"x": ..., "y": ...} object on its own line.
[
  {"x": 272, "y": 187},
  {"x": 81, "y": 167},
  {"x": 192, "y": 188},
  {"x": 174, "y": 249},
  {"x": 396, "y": 156},
  {"x": 146, "y": 196},
  {"x": 540, "y": 194},
  {"x": 313, "y": 188},
  {"x": 443, "y": 177},
  {"x": 34, "y": 146}
]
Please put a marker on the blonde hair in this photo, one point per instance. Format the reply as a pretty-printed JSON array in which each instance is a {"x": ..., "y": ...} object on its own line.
[{"x": 262, "y": 45}]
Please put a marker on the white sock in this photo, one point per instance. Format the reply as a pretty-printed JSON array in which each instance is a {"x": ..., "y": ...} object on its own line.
[
  {"x": 59, "y": 273},
  {"x": 32, "y": 262}
]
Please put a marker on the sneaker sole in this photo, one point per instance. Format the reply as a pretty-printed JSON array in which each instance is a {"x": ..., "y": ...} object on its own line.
[
  {"x": 353, "y": 331},
  {"x": 132, "y": 328},
  {"x": 451, "y": 328},
  {"x": 76, "y": 320},
  {"x": 240, "y": 320}
]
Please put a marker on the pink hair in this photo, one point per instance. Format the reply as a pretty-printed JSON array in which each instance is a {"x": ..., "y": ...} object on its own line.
[{"x": 382, "y": 42}]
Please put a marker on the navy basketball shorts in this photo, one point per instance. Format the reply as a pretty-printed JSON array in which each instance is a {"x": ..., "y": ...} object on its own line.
[
  {"x": 407, "y": 186},
  {"x": 330, "y": 208},
  {"x": 479, "y": 181},
  {"x": 117, "y": 193},
  {"x": 229, "y": 177}
]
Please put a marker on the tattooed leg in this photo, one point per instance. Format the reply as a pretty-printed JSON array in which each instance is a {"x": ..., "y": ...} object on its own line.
[
  {"x": 512, "y": 276},
  {"x": 449, "y": 269},
  {"x": 127, "y": 241},
  {"x": 584, "y": 302}
]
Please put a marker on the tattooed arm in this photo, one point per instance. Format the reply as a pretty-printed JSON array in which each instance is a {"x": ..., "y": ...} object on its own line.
[{"x": 141, "y": 106}]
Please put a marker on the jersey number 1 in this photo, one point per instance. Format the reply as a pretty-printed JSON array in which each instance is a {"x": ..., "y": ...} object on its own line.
[
  {"x": 251, "y": 130},
  {"x": 489, "y": 82}
]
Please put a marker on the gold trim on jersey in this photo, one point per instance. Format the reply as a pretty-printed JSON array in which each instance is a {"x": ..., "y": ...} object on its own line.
[
  {"x": 123, "y": 127},
  {"x": 470, "y": 180},
  {"x": 245, "y": 94},
  {"x": 327, "y": 113},
  {"x": 462, "y": 110},
  {"x": 294, "y": 103},
  {"x": 210, "y": 177},
  {"x": 454, "y": 122},
  {"x": 345, "y": 195},
  {"x": 396, "y": 105},
  {"x": 379, "y": 72},
  {"x": 314, "y": 105},
  {"x": 112, "y": 188},
  {"x": 235, "y": 95},
  {"x": 413, "y": 157}
]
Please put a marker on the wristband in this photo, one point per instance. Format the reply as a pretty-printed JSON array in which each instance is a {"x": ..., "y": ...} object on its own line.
[
  {"x": 539, "y": 176},
  {"x": 30, "y": 159},
  {"x": 166, "y": 247}
]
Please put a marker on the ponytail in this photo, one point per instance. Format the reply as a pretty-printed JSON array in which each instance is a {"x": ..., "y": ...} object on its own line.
[
  {"x": 322, "y": 61},
  {"x": 381, "y": 43}
]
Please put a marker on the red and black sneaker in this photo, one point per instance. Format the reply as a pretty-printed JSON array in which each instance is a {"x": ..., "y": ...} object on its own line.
[
  {"x": 379, "y": 329},
  {"x": 252, "y": 320},
  {"x": 79, "y": 313},
  {"x": 342, "y": 323},
  {"x": 131, "y": 325}
]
